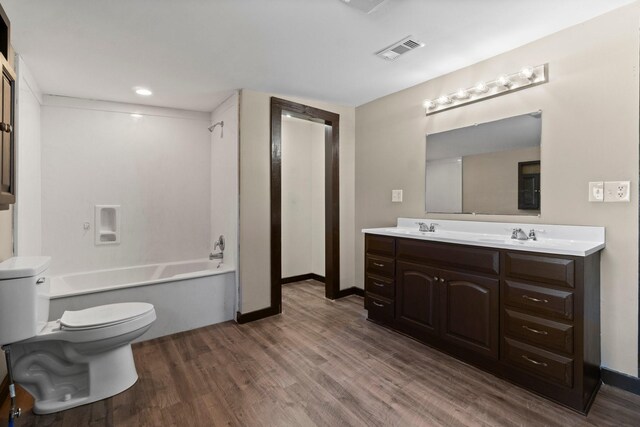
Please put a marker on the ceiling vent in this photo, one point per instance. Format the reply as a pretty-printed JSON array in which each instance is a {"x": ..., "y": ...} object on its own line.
[
  {"x": 366, "y": 6},
  {"x": 395, "y": 50}
]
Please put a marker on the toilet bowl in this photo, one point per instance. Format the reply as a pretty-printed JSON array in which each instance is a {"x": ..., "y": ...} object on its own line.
[{"x": 83, "y": 357}]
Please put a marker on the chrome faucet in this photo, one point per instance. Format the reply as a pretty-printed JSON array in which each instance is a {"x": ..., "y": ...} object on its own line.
[
  {"x": 427, "y": 228},
  {"x": 518, "y": 234}
]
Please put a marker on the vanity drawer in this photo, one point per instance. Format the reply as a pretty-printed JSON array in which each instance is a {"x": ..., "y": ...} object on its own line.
[
  {"x": 538, "y": 331},
  {"x": 550, "y": 366},
  {"x": 379, "y": 308},
  {"x": 448, "y": 255},
  {"x": 380, "y": 286},
  {"x": 544, "y": 269},
  {"x": 380, "y": 265},
  {"x": 539, "y": 300},
  {"x": 382, "y": 245}
]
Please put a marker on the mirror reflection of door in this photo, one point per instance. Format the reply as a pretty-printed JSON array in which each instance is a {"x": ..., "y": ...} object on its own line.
[{"x": 529, "y": 185}]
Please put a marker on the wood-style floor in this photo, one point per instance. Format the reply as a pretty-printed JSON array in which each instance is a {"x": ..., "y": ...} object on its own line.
[{"x": 320, "y": 363}]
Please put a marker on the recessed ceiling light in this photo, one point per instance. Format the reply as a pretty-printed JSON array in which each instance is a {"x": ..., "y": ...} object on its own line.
[
  {"x": 143, "y": 91},
  {"x": 136, "y": 115}
]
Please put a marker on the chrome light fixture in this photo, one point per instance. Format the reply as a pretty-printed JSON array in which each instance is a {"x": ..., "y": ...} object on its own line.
[{"x": 527, "y": 77}]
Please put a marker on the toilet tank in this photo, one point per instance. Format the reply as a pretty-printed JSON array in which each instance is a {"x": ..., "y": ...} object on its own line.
[{"x": 24, "y": 298}]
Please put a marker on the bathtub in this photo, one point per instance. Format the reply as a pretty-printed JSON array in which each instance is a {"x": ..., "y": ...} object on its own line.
[{"x": 186, "y": 295}]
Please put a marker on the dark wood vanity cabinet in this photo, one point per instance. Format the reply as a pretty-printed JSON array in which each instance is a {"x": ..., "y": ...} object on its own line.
[
  {"x": 7, "y": 102},
  {"x": 418, "y": 299},
  {"x": 531, "y": 318}
]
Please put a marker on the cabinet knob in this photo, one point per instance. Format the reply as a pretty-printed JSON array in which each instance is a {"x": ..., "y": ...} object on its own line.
[
  {"x": 442, "y": 280},
  {"x": 8, "y": 128},
  {"x": 3, "y": 127},
  {"x": 435, "y": 278}
]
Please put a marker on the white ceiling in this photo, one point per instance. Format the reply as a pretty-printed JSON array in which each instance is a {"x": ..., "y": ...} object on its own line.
[{"x": 192, "y": 53}]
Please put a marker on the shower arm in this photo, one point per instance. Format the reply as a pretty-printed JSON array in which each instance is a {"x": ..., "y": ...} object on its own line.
[{"x": 221, "y": 124}]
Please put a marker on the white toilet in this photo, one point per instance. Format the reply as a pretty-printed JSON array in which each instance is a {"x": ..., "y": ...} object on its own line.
[{"x": 83, "y": 357}]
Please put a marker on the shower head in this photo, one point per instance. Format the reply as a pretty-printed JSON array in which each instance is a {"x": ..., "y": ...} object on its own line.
[{"x": 221, "y": 124}]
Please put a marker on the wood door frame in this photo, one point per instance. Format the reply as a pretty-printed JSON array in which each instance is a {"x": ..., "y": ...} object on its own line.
[{"x": 332, "y": 195}]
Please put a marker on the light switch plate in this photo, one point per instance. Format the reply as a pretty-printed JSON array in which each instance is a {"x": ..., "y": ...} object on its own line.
[
  {"x": 396, "y": 196},
  {"x": 596, "y": 191},
  {"x": 617, "y": 191}
]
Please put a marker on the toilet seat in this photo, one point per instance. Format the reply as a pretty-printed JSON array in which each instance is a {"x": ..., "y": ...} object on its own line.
[
  {"x": 103, "y": 316},
  {"x": 98, "y": 324}
]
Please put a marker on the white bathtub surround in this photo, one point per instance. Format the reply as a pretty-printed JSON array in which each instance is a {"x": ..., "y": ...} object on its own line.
[
  {"x": 186, "y": 295},
  {"x": 554, "y": 239},
  {"x": 224, "y": 178},
  {"x": 224, "y": 207},
  {"x": 129, "y": 155},
  {"x": 28, "y": 216}
]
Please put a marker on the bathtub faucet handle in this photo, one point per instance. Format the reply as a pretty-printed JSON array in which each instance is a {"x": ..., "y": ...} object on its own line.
[{"x": 219, "y": 244}]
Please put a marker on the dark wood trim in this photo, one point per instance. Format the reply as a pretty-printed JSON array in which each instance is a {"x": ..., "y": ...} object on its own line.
[
  {"x": 4, "y": 389},
  {"x": 332, "y": 195},
  {"x": 302, "y": 277},
  {"x": 620, "y": 380},
  {"x": 298, "y": 278},
  {"x": 255, "y": 315},
  {"x": 350, "y": 291}
]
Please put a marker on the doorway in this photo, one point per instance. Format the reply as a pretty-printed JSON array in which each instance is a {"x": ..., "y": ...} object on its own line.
[{"x": 331, "y": 122}]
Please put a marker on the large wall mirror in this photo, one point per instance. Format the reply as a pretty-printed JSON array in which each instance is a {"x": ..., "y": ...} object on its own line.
[{"x": 488, "y": 168}]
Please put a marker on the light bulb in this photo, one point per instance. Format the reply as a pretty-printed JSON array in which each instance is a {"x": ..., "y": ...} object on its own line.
[
  {"x": 444, "y": 100},
  {"x": 143, "y": 91},
  {"x": 462, "y": 94},
  {"x": 527, "y": 73},
  {"x": 429, "y": 104},
  {"x": 481, "y": 87},
  {"x": 503, "y": 80}
]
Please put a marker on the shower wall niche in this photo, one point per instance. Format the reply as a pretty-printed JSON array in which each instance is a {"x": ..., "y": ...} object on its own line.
[{"x": 107, "y": 224}]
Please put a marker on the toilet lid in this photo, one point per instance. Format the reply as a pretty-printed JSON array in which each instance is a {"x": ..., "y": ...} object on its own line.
[{"x": 104, "y": 315}]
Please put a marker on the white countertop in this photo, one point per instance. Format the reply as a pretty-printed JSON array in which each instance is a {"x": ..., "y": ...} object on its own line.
[{"x": 552, "y": 239}]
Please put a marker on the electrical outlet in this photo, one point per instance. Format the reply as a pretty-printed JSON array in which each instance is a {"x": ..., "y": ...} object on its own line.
[
  {"x": 596, "y": 191},
  {"x": 396, "y": 196},
  {"x": 617, "y": 191}
]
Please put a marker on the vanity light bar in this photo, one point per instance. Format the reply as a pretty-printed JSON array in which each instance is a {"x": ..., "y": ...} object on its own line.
[{"x": 506, "y": 83}]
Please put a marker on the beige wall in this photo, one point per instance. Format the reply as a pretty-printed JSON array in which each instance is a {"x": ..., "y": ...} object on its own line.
[
  {"x": 589, "y": 132},
  {"x": 255, "y": 161},
  {"x": 490, "y": 181}
]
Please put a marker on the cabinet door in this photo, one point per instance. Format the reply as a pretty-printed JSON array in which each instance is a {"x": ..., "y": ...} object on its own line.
[
  {"x": 470, "y": 312},
  {"x": 417, "y": 298},
  {"x": 6, "y": 132}
]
